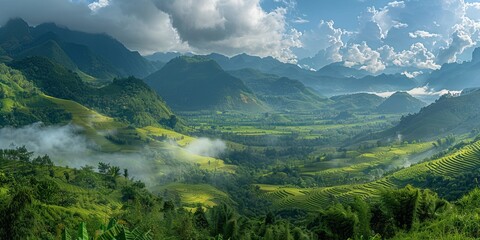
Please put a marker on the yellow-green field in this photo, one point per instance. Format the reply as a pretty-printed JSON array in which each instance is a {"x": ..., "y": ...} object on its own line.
[
  {"x": 192, "y": 195},
  {"x": 357, "y": 163},
  {"x": 317, "y": 198}
]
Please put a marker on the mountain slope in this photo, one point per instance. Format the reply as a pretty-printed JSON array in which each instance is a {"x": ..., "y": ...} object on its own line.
[
  {"x": 332, "y": 80},
  {"x": 128, "y": 99},
  {"x": 128, "y": 63},
  {"x": 198, "y": 83},
  {"x": 447, "y": 115},
  {"x": 440, "y": 174},
  {"x": 280, "y": 92},
  {"x": 400, "y": 102},
  {"x": 21, "y": 103},
  {"x": 361, "y": 102},
  {"x": 95, "y": 54},
  {"x": 457, "y": 76},
  {"x": 339, "y": 70}
]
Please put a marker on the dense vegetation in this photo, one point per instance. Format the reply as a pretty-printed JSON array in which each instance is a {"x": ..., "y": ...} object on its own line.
[
  {"x": 98, "y": 55},
  {"x": 291, "y": 164},
  {"x": 127, "y": 99},
  {"x": 42, "y": 200},
  {"x": 204, "y": 86}
]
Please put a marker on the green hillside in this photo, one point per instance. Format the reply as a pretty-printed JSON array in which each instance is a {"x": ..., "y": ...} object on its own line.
[
  {"x": 197, "y": 83},
  {"x": 437, "y": 174},
  {"x": 361, "y": 102},
  {"x": 447, "y": 115},
  {"x": 129, "y": 100},
  {"x": 400, "y": 102},
  {"x": 42, "y": 201},
  {"x": 21, "y": 103},
  {"x": 280, "y": 93},
  {"x": 99, "y": 56}
]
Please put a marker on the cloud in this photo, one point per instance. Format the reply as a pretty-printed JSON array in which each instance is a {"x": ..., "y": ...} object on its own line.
[
  {"x": 94, "y": 6},
  {"x": 43, "y": 140},
  {"x": 300, "y": 20},
  {"x": 335, "y": 40},
  {"x": 422, "y": 34},
  {"x": 224, "y": 26},
  {"x": 412, "y": 74},
  {"x": 363, "y": 55},
  {"x": 231, "y": 27},
  {"x": 460, "y": 41},
  {"x": 417, "y": 56},
  {"x": 138, "y": 24},
  {"x": 425, "y": 93},
  {"x": 396, "y": 4},
  {"x": 66, "y": 146},
  {"x": 206, "y": 147}
]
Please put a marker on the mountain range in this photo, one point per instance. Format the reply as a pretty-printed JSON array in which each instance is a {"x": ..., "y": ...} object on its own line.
[
  {"x": 97, "y": 55},
  {"x": 457, "y": 76},
  {"x": 198, "y": 83}
]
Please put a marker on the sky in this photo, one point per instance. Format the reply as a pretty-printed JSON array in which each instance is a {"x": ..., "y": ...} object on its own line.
[{"x": 373, "y": 35}]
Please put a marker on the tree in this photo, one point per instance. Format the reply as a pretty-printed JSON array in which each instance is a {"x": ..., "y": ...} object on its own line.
[
  {"x": 103, "y": 167},
  {"x": 47, "y": 191},
  {"x": 224, "y": 221},
  {"x": 200, "y": 219},
  {"x": 67, "y": 176},
  {"x": 125, "y": 173},
  {"x": 18, "y": 218},
  {"x": 402, "y": 205},
  {"x": 337, "y": 222},
  {"x": 114, "y": 171},
  {"x": 172, "y": 121}
]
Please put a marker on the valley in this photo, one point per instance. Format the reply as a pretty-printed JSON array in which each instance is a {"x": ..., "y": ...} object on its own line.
[{"x": 100, "y": 142}]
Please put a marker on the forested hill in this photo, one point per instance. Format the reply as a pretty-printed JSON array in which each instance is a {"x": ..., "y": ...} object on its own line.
[
  {"x": 128, "y": 99},
  {"x": 98, "y": 55},
  {"x": 401, "y": 102},
  {"x": 448, "y": 115},
  {"x": 198, "y": 83}
]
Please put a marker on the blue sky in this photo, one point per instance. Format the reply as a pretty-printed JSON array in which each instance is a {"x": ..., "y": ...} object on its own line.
[
  {"x": 375, "y": 35},
  {"x": 343, "y": 12}
]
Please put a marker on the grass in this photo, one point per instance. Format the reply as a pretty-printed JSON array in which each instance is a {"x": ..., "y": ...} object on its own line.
[
  {"x": 317, "y": 198},
  {"x": 193, "y": 195},
  {"x": 92, "y": 122},
  {"x": 152, "y": 132},
  {"x": 360, "y": 164},
  {"x": 88, "y": 202}
]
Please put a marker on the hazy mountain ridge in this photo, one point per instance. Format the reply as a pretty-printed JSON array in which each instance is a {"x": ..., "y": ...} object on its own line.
[
  {"x": 400, "y": 102},
  {"x": 96, "y": 54},
  {"x": 457, "y": 76},
  {"x": 281, "y": 93},
  {"x": 198, "y": 83}
]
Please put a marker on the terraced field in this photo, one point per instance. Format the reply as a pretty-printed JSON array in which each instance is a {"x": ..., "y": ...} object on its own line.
[
  {"x": 193, "y": 194},
  {"x": 155, "y": 132},
  {"x": 465, "y": 159},
  {"x": 92, "y": 122},
  {"x": 358, "y": 165}
]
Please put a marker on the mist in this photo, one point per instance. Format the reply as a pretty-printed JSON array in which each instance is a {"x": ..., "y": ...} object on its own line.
[
  {"x": 67, "y": 146},
  {"x": 423, "y": 93},
  {"x": 206, "y": 147}
]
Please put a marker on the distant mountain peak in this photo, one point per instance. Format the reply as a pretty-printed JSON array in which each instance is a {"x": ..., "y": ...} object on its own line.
[
  {"x": 198, "y": 82},
  {"x": 401, "y": 102},
  {"x": 15, "y": 28},
  {"x": 16, "y": 23},
  {"x": 476, "y": 55}
]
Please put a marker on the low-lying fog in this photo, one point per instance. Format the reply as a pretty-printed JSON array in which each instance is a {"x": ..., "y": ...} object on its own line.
[
  {"x": 67, "y": 147},
  {"x": 425, "y": 94}
]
